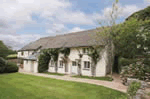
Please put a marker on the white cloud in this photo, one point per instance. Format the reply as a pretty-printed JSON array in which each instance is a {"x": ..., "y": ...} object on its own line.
[
  {"x": 123, "y": 12},
  {"x": 17, "y": 14},
  {"x": 18, "y": 41}
]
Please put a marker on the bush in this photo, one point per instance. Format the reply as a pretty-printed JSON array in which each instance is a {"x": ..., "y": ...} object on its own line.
[
  {"x": 2, "y": 65},
  {"x": 43, "y": 62},
  {"x": 133, "y": 88},
  {"x": 125, "y": 62},
  {"x": 138, "y": 71},
  {"x": 11, "y": 67}
]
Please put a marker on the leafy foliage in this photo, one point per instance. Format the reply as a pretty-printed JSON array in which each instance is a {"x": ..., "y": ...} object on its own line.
[
  {"x": 129, "y": 37},
  {"x": 7, "y": 67},
  {"x": 141, "y": 15},
  {"x": 135, "y": 70},
  {"x": 94, "y": 53},
  {"x": 11, "y": 67},
  {"x": 43, "y": 62},
  {"x": 2, "y": 65},
  {"x": 133, "y": 88},
  {"x": 125, "y": 62}
]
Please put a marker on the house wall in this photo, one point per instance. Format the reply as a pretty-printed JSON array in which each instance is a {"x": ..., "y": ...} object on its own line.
[
  {"x": 30, "y": 66},
  {"x": 74, "y": 54},
  {"x": 25, "y": 54}
]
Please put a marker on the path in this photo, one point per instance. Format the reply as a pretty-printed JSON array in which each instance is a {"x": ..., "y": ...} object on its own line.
[{"x": 114, "y": 84}]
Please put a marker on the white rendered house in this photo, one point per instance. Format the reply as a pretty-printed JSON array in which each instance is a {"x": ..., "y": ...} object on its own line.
[{"x": 78, "y": 43}]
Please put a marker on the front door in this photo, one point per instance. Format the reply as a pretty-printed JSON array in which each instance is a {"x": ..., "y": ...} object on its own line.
[{"x": 74, "y": 68}]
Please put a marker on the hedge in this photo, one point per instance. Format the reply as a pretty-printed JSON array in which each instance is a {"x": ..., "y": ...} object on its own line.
[
  {"x": 11, "y": 67},
  {"x": 2, "y": 65},
  {"x": 7, "y": 67},
  {"x": 125, "y": 62}
]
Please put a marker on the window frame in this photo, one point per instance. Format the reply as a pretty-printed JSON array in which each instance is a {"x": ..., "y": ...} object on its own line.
[
  {"x": 74, "y": 63},
  {"x": 87, "y": 64},
  {"x": 61, "y": 64}
]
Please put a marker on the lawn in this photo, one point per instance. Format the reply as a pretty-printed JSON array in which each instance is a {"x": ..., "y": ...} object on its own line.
[
  {"x": 21, "y": 86},
  {"x": 54, "y": 73},
  {"x": 96, "y": 78}
]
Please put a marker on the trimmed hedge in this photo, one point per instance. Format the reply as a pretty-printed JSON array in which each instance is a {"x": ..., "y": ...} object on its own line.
[
  {"x": 11, "y": 67},
  {"x": 2, "y": 65},
  {"x": 7, "y": 67}
]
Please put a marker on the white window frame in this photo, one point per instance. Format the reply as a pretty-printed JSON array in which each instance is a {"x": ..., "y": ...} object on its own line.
[
  {"x": 87, "y": 64},
  {"x": 61, "y": 64}
]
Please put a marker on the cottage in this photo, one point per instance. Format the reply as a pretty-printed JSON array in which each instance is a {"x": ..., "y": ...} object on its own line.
[{"x": 78, "y": 43}]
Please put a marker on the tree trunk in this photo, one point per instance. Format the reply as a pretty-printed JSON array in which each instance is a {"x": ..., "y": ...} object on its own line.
[
  {"x": 79, "y": 68},
  {"x": 56, "y": 67},
  {"x": 93, "y": 69}
]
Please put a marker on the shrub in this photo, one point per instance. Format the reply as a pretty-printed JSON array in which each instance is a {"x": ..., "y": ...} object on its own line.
[
  {"x": 2, "y": 65},
  {"x": 43, "y": 62},
  {"x": 139, "y": 71},
  {"x": 11, "y": 67},
  {"x": 125, "y": 61},
  {"x": 133, "y": 88}
]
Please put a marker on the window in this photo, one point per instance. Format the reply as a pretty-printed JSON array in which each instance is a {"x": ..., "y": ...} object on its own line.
[
  {"x": 74, "y": 63},
  {"x": 52, "y": 63},
  {"x": 61, "y": 64},
  {"x": 85, "y": 50},
  {"x": 86, "y": 64}
]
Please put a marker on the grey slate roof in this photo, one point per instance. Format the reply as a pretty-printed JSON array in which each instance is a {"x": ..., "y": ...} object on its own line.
[{"x": 77, "y": 39}]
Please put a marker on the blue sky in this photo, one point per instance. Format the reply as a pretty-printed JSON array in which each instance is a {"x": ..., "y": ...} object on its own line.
[{"x": 23, "y": 21}]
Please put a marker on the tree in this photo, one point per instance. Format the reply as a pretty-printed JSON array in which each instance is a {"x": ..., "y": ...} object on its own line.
[
  {"x": 4, "y": 50},
  {"x": 54, "y": 53},
  {"x": 94, "y": 53},
  {"x": 107, "y": 31},
  {"x": 79, "y": 62},
  {"x": 65, "y": 58}
]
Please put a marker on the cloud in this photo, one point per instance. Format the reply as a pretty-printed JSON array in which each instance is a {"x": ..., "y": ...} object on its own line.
[
  {"x": 123, "y": 12},
  {"x": 18, "y": 41},
  {"x": 53, "y": 15}
]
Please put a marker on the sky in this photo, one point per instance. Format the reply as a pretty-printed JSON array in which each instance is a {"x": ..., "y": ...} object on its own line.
[{"x": 24, "y": 21}]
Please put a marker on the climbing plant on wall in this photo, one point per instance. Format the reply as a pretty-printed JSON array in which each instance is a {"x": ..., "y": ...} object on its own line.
[
  {"x": 43, "y": 62},
  {"x": 66, "y": 53},
  {"x": 94, "y": 53}
]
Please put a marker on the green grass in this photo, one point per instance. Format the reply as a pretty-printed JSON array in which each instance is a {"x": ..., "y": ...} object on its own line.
[
  {"x": 95, "y": 78},
  {"x": 22, "y": 86},
  {"x": 12, "y": 56},
  {"x": 149, "y": 94},
  {"x": 54, "y": 73}
]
